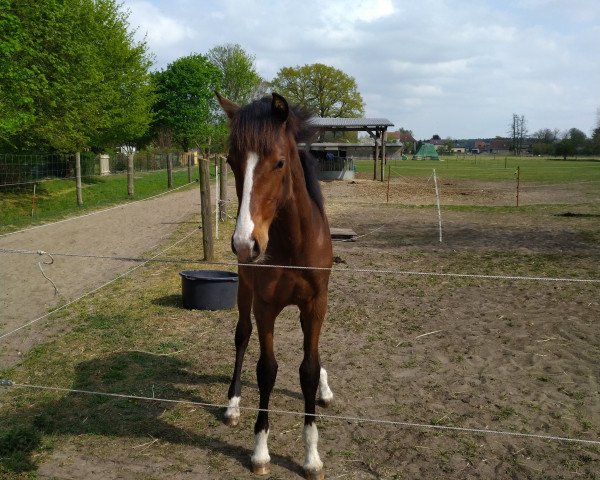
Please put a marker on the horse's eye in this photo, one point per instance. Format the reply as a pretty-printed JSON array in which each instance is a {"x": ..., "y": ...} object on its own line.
[{"x": 279, "y": 164}]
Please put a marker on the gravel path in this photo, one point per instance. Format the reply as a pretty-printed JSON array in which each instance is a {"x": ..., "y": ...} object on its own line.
[{"x": 126, "y": 230}]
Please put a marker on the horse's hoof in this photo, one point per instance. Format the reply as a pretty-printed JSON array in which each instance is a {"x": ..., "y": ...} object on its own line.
[
  {"x": 231, "y": 421},
  {"x": 260, "y": 468},
  {"x": 314, "y": 474},
  {"x": 321, "y": 402}
]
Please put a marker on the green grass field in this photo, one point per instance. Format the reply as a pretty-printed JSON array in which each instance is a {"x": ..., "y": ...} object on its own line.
[
  {"x": 56, "y": 199},
  {"x": 489, "y": 168}
]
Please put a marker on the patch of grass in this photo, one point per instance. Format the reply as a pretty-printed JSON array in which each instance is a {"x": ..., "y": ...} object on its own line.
[
  {"x": 493, "y": 168},
  {"x": 56, "y": 199},
  {"x": 16, "y": 445},
  {"x": 503, "y": 412}
]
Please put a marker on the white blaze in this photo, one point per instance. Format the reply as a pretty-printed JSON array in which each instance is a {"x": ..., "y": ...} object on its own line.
[{"x": 242, "y": 237}]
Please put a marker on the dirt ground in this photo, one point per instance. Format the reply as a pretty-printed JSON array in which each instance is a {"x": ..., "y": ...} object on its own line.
[
  {"x": 130, "y": 230},
  {"x": 492, "y": 354}
]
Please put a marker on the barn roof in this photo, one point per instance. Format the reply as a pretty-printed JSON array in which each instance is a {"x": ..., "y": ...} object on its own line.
[{"x": 350, "y": 124}]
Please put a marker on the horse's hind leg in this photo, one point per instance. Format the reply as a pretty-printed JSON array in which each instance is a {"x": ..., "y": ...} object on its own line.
[
  {"x": 324, "y": 393},
  {"x": 311, "y": 318},
  {"x": 242, "y": 336}
]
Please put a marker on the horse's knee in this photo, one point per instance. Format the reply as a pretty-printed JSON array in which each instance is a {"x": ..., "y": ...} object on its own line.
[{"x": 242, "y": 333}]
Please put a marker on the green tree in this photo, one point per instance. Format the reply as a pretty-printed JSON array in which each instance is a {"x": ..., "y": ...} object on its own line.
[
  {"x": 565, "y": 148},
  {"x": 74, "y": 75},
  {"x": 579, "y": 140},
  {"x": 447, "y": 147},
  {"x": 17, "y": 81},
  {"x": 323, "y": 90},
  {"x": 545, "y": 141},
  {"x": 239, "y": 79},
  {"x": 185, "y": 103}
]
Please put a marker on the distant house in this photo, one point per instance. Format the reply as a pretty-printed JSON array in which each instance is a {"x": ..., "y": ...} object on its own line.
[
  {"x": 500, "y": 146},
  {"x": 436, "y": 141},
  {"x": 405, "y": 139},
  {"x": 399, "y": 137},
  {"x": 480, "y": 146}
]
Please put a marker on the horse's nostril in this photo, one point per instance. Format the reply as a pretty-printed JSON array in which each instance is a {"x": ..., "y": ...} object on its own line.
[
  {"x": 255, "y": 249},
  {"x": 233, "y": 247}
]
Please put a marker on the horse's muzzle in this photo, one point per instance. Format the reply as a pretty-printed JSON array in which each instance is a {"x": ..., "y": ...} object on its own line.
[{"x": 246, "y": 252}]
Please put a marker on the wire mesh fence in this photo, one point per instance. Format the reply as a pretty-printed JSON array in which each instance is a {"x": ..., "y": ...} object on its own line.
[{"x": 17, "y": 169}]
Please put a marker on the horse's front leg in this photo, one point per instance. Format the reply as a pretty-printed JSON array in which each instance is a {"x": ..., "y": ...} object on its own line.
[
  {"x": 242, "y": 336},
  {"x": 312, "y": 378},
  {"x": 266, "y": 373}
]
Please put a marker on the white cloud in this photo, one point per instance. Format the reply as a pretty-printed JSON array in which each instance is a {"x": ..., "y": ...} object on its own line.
[
  {"x": 351, "y": 11},
  {"x": 163, "y": 33},
  {"x": 463, "y": 66}
]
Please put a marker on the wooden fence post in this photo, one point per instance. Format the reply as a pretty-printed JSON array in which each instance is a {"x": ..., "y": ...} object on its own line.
[
  {"x": 189, "y": 165},
  {"x": 130, "y": 174},
  {"x": 223, "y": 190},
  {"x": 169, "y": 171},
  {"x": 205, "y": 209},
  {"x": 518, "y": 174},
  {"x": 78, "y": 179}
]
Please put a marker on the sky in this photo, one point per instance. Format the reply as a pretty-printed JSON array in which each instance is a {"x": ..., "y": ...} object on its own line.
[{"x": 458, "y": 69}]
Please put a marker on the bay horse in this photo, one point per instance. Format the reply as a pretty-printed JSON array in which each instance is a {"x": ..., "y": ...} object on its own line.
[{"x": 281, "y": 222}]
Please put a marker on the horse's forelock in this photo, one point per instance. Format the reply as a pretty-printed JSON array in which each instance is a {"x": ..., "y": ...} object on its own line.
[{"x": 254, "y": 128}]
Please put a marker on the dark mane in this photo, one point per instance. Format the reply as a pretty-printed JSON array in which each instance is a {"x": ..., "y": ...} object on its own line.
[
  {"x": 254, "y": 128},
  {"x": 309, "y": 165}
]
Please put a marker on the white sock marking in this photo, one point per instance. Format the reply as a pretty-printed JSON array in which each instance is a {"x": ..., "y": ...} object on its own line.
[
  {"x": 260, "y": 456},
  {"x": 242, "y": 237},
  {"x": 312, "y": 462},
  {"x": 324, "y": 392},
  {"x": 233, "y": 409}
]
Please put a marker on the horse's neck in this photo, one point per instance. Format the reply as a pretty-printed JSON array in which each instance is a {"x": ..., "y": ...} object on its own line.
[{"x": 295, "y": 221}]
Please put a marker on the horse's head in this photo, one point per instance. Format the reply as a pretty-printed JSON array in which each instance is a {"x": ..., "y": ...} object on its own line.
[{"x": 260, "y": 150}]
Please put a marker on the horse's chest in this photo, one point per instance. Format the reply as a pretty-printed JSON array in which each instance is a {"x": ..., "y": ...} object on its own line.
[{"x": 285, "y": 289}]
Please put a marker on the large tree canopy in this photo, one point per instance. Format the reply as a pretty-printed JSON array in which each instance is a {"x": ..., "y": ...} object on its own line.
[
  {"x": 186, "y": 105},
  {"x": 71, "y": 76},
  {"x": 323, "y": 90},
  {"x": 239, "y": 79}
]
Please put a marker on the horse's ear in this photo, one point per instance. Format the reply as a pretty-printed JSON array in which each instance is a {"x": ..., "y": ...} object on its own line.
[
  {"x": 228, "y": 106},
  {"x": 279, "y": 107}
]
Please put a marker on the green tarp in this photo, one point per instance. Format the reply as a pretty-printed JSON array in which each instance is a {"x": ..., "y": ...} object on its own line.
[{"x": 427, "y": 151}]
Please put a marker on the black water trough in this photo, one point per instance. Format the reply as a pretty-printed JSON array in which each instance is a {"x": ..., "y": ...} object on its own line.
[{"x": 208, "y": 289}]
